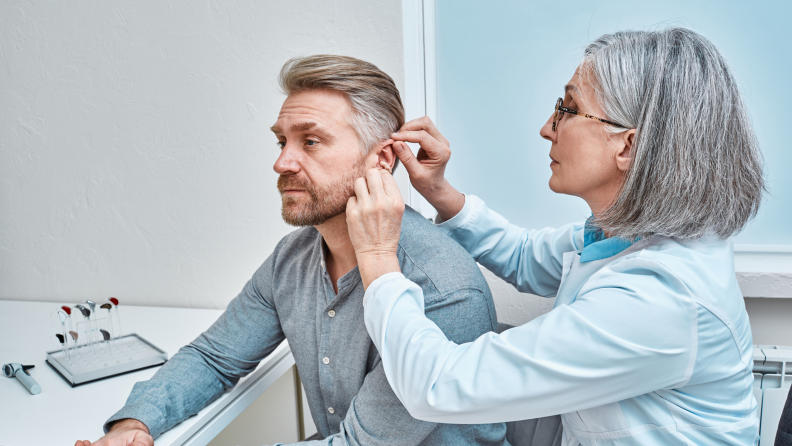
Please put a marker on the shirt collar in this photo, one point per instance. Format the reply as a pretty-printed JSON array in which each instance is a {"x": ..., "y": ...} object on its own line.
[{"x": 596, "y": 246}]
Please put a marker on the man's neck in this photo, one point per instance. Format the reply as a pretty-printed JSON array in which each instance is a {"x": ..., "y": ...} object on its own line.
[{"x": 340, "y": 253}]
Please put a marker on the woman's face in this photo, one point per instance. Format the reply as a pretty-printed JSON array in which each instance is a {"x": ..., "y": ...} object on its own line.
[{"x": 586, "y": 160}]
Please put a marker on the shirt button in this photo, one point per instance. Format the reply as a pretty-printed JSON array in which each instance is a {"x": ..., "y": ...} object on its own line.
[
  {"x": 331, "y": 313},
  {"x": 331, "y": 410},
  {"x": 326, "y": 360},
  {"x": 322, "y": 264}
]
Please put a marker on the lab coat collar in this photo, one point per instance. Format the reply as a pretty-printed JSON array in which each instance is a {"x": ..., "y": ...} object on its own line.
[{"x": 597, "y": 247}]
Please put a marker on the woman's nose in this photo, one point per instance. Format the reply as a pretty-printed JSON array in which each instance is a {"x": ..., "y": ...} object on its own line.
[{"x": 547, "y": 130}]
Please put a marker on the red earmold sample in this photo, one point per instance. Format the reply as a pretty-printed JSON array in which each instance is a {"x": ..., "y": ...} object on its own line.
[
  {"x": 114, "y": 301},
  {"x": 66, "y": 309}
]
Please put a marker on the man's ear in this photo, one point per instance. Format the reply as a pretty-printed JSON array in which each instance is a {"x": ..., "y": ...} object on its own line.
[
  {"x": 387, "y": 155},
  {"x": 624, "y": 155}
]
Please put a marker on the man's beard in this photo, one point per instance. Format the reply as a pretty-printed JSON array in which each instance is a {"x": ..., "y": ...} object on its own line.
[{"x": 323, "y": 202}]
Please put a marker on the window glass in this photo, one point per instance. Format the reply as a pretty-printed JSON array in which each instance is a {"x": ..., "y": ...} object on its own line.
[{"x": 502, "y": 65}]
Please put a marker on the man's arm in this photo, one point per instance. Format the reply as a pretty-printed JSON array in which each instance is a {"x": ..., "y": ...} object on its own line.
[{"x": 200, "y": 372}]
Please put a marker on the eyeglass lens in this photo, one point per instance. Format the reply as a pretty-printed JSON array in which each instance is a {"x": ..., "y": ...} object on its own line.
[{"x": 558, "y": 113}]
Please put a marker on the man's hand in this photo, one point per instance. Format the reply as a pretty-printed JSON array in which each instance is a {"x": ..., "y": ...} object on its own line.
[{"x": 129, "y": 432}]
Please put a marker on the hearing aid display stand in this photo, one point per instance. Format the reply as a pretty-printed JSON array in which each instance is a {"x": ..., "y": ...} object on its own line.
[
  {"x": 62, "y": 412},
  {"x": 119, "y": 356}
]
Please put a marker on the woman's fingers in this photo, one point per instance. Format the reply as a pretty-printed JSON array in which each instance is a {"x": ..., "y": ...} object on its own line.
[
  {"x": 407, "y": 158},
  {"x": 426, "y": 124},
  {"x": 391, "y": 188},
  {"x": 434, "y": 149},
  {"x": 374, "y": 183},
  {"x": 361, "y": 190}
]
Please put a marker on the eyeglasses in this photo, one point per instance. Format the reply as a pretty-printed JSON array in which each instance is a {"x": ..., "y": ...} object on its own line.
[{"x": 560, "y": 110}]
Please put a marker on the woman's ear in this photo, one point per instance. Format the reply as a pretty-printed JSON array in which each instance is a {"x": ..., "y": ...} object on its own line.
[{"x": 624, "y": 156}]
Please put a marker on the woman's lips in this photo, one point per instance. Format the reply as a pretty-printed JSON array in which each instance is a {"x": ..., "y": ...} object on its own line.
[{"x": 553, "y": 161}]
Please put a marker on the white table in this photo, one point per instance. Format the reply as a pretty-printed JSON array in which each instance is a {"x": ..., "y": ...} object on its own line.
[{"x": 60, "y": 414}]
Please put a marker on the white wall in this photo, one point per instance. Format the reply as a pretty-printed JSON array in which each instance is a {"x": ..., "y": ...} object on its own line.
[{"x": 136, "y": 158}]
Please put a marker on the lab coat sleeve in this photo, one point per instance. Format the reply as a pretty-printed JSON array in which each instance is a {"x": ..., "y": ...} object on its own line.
[
  {"x": 632, "y": 330},
  {"x": 532, "y": 261}
]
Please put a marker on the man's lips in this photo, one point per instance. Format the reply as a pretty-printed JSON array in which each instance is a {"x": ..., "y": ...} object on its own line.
[{"x": 553, "y": 161}]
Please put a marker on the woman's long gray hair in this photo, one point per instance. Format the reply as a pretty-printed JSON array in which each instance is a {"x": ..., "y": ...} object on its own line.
[{"x": 696, "y": 166}]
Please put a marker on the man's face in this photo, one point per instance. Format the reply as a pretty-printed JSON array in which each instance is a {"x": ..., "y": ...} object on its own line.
[{"x": 320, "y": 157}]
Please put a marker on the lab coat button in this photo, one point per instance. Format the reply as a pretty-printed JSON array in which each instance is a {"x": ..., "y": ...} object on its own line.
[
  {"x": 331, "y": 410},
  {"x": 331, "y": 313},
  {"x": 326, "y": 360}
]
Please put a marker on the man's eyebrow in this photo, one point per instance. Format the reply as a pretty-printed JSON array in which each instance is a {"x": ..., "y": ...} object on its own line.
[
  {"x": 297, "y": 127},
  {"x": 305, "y": 126}
]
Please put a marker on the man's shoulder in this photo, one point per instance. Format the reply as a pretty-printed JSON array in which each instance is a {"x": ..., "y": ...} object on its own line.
[
  {"x": 291, "y": 251},
  {"x": 433, "y": 259},
  {"x": 304, "y": 238}
]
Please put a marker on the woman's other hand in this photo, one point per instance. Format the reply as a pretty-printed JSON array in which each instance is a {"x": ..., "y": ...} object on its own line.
[
  {"x": 374, "y": 217},
  {"x": 427, "y": 170}
]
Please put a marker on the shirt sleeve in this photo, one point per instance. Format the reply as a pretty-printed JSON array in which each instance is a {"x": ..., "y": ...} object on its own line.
[
  {"x": 632, "y": 330},
  {"x": 532, "y": 261},
  {"x": 203, "y": 370}
]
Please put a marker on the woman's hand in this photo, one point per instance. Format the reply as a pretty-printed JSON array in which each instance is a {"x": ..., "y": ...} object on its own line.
[
  {"x": 374, "y": 217},
  {"x": 427, "y": 170}
]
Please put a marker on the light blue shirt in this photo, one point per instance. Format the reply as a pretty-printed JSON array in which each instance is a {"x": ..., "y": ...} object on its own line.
[{"x": 647, "y": 344}]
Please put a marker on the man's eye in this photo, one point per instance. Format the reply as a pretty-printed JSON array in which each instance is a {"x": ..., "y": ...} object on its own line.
[
  {"x": 281, "y": 144},
  {"x": 310, "y": 142}
]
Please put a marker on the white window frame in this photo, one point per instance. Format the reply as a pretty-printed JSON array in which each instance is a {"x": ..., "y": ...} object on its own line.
[{"x": 763, "y": 271}]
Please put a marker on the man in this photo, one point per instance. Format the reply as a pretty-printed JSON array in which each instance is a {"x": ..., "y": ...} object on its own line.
[{"x": 334, "y": 124}]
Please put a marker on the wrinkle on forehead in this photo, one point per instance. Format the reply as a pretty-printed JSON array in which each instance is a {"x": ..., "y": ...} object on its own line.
[{"x": 312, "y": 109}]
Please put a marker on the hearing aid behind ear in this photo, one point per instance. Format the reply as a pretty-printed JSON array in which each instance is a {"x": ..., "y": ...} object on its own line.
[
  {"x": 20, "y": 372},
  {"x": 114, "y": 301},
  {"x": 109, "y": 307}
]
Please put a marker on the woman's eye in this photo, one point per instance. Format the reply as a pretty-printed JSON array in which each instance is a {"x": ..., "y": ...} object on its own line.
[
  {"x": 281, "y": 144},
  {"x": 310, "y": 142}
]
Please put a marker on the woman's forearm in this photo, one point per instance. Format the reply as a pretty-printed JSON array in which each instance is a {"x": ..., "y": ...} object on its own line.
[
  {"x": 545, "y": 367},
  {"x": 446, "y": 200},
  {"x": 373, "y": 266}
]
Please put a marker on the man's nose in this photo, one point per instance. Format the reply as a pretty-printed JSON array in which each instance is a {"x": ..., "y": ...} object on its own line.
[
  {"x": 288, "y": 161},
  {"x": 547, "y": 130}
]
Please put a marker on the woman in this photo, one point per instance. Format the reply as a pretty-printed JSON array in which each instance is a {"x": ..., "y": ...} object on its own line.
[{"x": 648, "y": 342}]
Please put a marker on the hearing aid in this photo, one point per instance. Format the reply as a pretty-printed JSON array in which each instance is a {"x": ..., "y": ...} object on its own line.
[
  {"x": 385, "y": 166},
  {"x": 62, "y": 316},
  {"x": 114, "y": 301},
  {"x": 94, "y": 324},
  {"x": 109, "y": 307},
  {"x": 87, "y": 315},
  {"x": 68, "y": 311},
  {"x": 20, "y": 372},
  {"x": 62, "y": 340},
  {"x": 106, "y": 336},
  {"x": 75, "y": 336}
]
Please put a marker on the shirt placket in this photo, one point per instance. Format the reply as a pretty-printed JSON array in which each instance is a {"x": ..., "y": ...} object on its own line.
[{"x": 326, "y": 377}]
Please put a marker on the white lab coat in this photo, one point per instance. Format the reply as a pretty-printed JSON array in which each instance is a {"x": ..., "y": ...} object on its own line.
[{"x": 650, "y": 346}]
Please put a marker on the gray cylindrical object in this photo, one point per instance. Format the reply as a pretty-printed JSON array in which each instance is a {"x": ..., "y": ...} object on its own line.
[{"x": 28, "y": 382}]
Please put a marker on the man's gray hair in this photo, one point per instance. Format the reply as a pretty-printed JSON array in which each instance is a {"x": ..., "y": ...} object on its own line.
[
  {"x": 696, "y": 166},
  {"x": 377, "y": 110}
]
